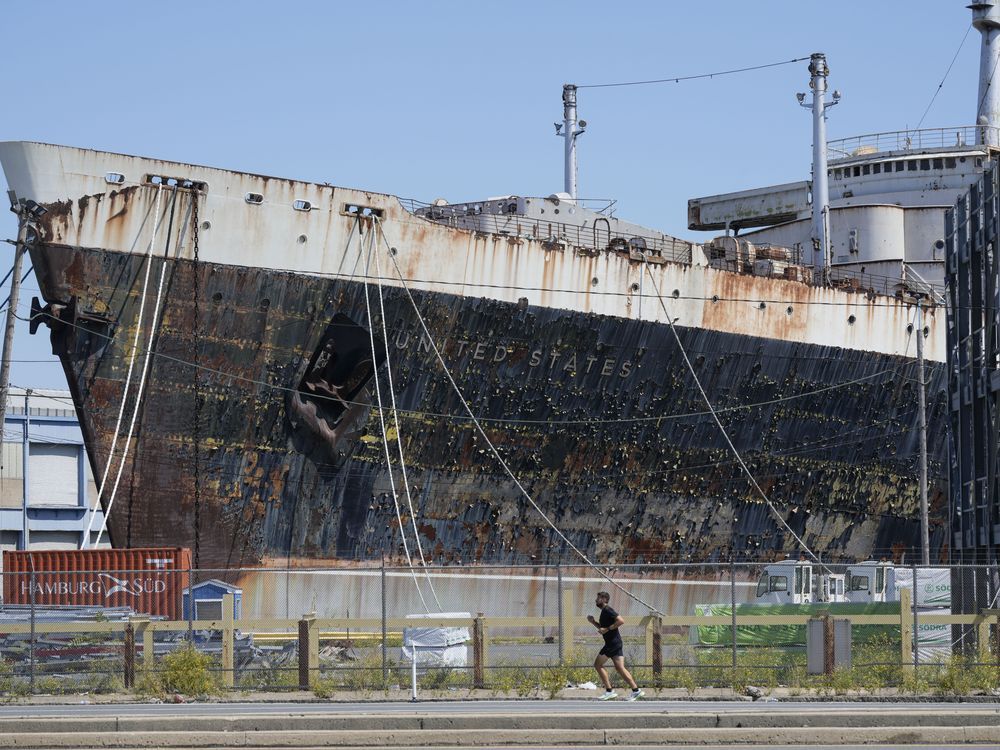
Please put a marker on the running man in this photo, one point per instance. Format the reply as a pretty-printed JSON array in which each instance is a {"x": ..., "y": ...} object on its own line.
[{"x": 613, "y": 649}]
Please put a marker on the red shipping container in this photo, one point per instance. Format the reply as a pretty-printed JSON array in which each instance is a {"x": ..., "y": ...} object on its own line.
[{"x": 150, "y": 581}]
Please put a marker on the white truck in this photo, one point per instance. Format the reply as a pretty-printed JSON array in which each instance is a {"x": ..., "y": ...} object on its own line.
[
  {"x": 804, "y": 582},
  {"x": 881, "y": 582},
  {"x": 795, "y": 582}
]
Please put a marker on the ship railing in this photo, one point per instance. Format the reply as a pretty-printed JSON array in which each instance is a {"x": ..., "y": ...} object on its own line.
[
  {"x": 958, "y": 137},
  {"x": 849, "y": 279},
  {"x": 597, "y": 237}
]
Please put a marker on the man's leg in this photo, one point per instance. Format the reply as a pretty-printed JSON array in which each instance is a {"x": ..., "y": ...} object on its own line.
[
  {"x": 619, "y": 662},
  {"x": 601, "y": 671}
]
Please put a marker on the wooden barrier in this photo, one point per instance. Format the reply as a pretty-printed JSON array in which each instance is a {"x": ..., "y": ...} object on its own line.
[{"x": 310, "y": 630}]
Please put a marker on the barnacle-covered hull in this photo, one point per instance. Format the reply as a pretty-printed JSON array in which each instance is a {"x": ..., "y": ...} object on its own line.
[{"x": 258, "y": 436}]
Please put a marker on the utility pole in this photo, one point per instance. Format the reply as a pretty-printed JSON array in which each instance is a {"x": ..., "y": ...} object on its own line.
[
  {"x": 8, "y": 343},
  {"x": 925, "y": 544}
]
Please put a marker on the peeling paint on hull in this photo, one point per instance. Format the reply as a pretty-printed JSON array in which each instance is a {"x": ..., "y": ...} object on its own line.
[{"x": 283, "y": 480}]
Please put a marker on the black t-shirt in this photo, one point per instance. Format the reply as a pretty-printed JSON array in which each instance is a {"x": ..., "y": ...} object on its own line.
[{"x": 607, "y": 619}]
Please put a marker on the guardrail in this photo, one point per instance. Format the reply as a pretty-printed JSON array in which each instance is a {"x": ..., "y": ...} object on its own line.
[{"x": 959, "y": 137}]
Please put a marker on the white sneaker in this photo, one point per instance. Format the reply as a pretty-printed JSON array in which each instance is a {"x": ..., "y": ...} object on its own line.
[
  {"x": 636, "y": 695},
  {"x": 608, "y": 695}
]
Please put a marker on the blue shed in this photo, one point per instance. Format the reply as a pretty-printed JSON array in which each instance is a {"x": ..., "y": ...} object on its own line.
[{"x": 208, "y": 600}]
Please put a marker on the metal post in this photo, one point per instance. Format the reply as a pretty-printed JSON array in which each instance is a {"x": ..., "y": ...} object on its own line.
[
  {"x": 820, "y": 185},
  {"x": 986, "y": 20},
  {"x": 732, "y": 602},
  {"x": 385, "y": 654},
  {"x": 414, "y": 650},
  {"x": 31, "y": 639},
  {"x": 570, "y": 134},
  {"x": 25, "y": 471},
  {"x": 925, "y": 544},
  {"x": 562, "y": 614},
  {"x": 190, "y": 617},
  {"x": 916, "y": 630}
]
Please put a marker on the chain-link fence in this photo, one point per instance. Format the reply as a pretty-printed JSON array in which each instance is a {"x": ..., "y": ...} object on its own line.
[{"x": 503, "y": 629}]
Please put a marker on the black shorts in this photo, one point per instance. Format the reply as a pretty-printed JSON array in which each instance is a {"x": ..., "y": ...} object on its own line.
[{"x": 611, "y": 650}]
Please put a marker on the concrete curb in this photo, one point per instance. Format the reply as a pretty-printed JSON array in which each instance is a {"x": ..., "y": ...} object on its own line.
[
  {"x": 435, "y": 723},
  {"x": 477, "y": 737}
]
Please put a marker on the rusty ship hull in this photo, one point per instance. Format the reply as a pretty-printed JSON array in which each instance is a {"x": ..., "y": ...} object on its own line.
[{"x": 257, "y": 438}]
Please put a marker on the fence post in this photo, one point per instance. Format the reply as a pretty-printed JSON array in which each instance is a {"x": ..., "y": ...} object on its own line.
[
  {"x": 828, "y": 644},
  {"x": 905, "y": 629},
  {"x": 129, "y": 655},
  {"x": 385, "y": 653},
  {"x": 566, "y": 626},
  {"x": 142, "y": 625},
  {"x": 916, "y": 627},
  {"x": 983, "y": 637},
  {"x": 31, "y": 640},
  {"x": 478, "y": 652},
  {"x": 732, "y": 606},
  {"x": 304, "y": 652},
  {"x": 656, "y": 643},
  {"x": 562, "y": 614},
  {"x": 228, "y": 641}
]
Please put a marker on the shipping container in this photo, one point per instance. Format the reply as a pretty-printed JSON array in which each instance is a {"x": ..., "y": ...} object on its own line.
[{"x": 150, "y": 581}]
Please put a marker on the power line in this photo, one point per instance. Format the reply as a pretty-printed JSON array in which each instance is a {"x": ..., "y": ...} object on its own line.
[
  {"x": 678, "y": 79},
  {"x": 940, "y": 85}
]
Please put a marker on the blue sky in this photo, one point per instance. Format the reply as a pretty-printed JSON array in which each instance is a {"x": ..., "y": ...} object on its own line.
[{"x": 457, "y": 99}]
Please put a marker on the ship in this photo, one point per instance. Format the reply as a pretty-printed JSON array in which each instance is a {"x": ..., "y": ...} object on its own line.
[{"x": 271, "y": 371}]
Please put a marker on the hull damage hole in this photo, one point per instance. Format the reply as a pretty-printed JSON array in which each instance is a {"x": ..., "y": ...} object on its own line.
[{"x": 329, "y": 407}]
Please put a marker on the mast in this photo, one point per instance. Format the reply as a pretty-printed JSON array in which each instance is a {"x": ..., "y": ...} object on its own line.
[
  {"x": 820, "y": 186},
  {"x": 570, "y": 129},
  {"x": 986, "y": 20}
]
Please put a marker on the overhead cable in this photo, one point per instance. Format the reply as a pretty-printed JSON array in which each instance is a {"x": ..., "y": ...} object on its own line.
[{"x": 678, "y": 79}]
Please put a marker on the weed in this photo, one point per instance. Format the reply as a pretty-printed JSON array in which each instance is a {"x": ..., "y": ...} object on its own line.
[
  {"x": 148, "y": 684},
  {"x": 189, "y": 672},
  {"x": 6, "y": 676}
]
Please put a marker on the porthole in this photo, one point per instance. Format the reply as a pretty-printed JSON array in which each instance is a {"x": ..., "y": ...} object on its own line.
[
  {"x": 301, "y": 205},
  {"x": 762, "y": 306},
  {"x": 114, "y": 178},
  {"x": 851, "y": 320},
  {"x": 254, "y": 199},
  {"x": 301, "y": 239},
  {"x": 715, "y": 298},
  {"x": 909, "y": 328},
  {"x": 676, "y": 293},
  {"x": 217, "y": 298},
  {"x": 265, "y": 303},
  {"x": 206, "y": 225},
  {"x": 788, "y": 310},
  {"x": 635, "y": 287},
  {"x": 594, "y": 281}
]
